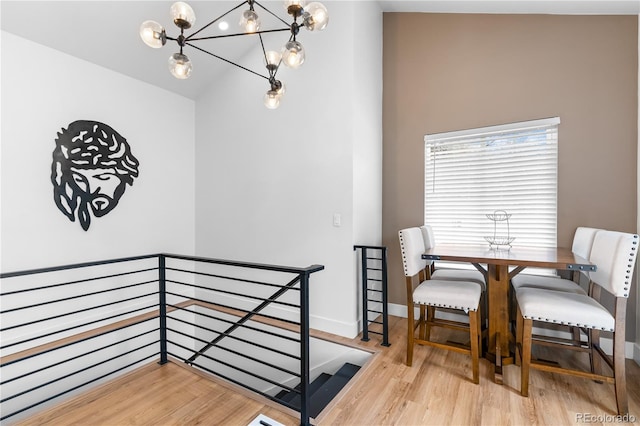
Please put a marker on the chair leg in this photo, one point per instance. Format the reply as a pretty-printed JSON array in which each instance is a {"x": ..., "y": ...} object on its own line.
[
  {"x": 422, "y": 321},
  {"x": 431, "y": 313},
  {"x": 575, "y": 332},
  {"x": 619, "y": 374},
  {"x": 594, "y": 356},
  {"x": 527, "y": 326},
  {"x": 519, "y": 324},
  {"x": 410, "y": 332},
  {"x": 481, "y": 340},
  {"x": 619, "y": 357},
  {"x": 484, "y": 322},
  {"x": 474, "y": 327}
]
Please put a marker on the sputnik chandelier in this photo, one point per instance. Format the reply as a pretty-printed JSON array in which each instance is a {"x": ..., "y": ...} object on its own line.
[{"x": 313, "y": 16}]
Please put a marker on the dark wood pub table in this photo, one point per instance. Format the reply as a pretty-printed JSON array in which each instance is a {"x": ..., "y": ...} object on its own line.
[{"x": 498, "y": 267}]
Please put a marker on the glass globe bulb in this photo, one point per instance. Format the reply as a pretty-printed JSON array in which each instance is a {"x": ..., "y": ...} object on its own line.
[
  {"x": 294, "y": 7},
  {"x": 250, "y": 21},
  {"x": 272, "y": 99},
  {"x": 183, "y": 15},
  {"x": 272, "y": 59},
  {"x": 153, "y": 34},
  {"x": 315, "y": 16},
  {"x": 293, "y": 54},
  {"x": 180, "y": 66}
]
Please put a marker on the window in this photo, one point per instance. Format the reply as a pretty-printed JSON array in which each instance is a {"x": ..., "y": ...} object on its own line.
[{"x": 472, "y": 173}]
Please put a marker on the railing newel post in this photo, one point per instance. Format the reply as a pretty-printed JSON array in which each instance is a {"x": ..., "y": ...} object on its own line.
[
  {"x": 365, "y": 295},
  {"x": 385, "y": 304},
  {"x": 304, "y": 348},
  {"x": 162, "y": 308}
]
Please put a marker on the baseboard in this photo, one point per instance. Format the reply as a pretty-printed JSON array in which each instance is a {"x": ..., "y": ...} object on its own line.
[
  {"x": 349, "y": 330},
  {"x": 330, "y": 325},
  {"x": 631, "y": 349}
]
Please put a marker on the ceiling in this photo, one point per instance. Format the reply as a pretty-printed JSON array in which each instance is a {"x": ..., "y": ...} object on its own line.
[{"x": 106, "y": 32}]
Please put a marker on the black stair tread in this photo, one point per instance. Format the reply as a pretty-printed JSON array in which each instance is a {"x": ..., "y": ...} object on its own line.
[
  {"x": 289, "y": 396},
  {"x": 282, "y": 394},
  {"x": 318, "y": 382},
  {"x": 321, "y": 396}
]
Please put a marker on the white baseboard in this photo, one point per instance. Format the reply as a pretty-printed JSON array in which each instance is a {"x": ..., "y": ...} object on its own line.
[
  {"x": 605, "y": 343},
  {"x": 349, "y": 330}
]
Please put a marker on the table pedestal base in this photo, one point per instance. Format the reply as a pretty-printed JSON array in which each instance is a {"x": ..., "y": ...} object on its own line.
[{"x": 498, "y": 359}]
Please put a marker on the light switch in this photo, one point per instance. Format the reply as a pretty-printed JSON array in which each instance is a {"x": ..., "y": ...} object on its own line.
[{"x": 337, "y": 219}]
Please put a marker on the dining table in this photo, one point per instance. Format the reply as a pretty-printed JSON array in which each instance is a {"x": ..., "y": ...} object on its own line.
[{"x": 499, "y": 266}]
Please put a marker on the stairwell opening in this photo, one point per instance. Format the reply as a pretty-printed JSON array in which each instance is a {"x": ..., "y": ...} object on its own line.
[{"x": 263, "y": 355}]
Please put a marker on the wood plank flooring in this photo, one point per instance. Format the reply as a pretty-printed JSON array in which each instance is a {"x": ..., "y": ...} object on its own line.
[{"x": 436, "y": 390}]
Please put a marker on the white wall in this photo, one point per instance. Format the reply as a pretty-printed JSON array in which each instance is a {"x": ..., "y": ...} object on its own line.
[
  {"x": 367, "y": 116},
  {"x": 265, "y": 184},
  {"x": 268, "y": 182},
  {"x": 43, "y": 90}
]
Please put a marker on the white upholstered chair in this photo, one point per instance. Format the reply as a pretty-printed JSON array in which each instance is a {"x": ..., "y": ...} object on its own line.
[
  {"x": 449, "y": 273},
  {"x": 582, "y": 242},
  {"x": 614, "y": 254},
  {"x": 454, "y": 274},
  {"x": 452, "y": 294}
]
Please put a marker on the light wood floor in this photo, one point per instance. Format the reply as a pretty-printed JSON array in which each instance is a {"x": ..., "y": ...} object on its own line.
[{"x": 436, "y": 390}]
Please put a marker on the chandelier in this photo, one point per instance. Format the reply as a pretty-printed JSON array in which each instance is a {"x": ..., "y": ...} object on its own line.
[{"x": 313, "y": 16}]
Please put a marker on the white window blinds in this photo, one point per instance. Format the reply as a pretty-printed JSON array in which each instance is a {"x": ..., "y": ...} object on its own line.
[{"x": 472, "y": 173}]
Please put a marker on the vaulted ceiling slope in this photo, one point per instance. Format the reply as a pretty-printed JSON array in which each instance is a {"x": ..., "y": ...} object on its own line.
[{"x": 106, "y": 32}]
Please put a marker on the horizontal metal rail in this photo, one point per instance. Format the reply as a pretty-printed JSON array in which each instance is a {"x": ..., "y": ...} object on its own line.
[
  {"x": 74, "y": 266},
  {"x": 59, "y": 338}
]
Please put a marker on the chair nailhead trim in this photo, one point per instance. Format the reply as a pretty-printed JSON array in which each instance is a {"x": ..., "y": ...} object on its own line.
[
  {"x": 568, "y": 323},
  {"x": 404, "y": 256},
  {"x": 441, "y": 305}
]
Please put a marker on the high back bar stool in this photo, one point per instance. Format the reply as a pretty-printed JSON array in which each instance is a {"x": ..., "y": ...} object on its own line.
[
  {"x": 459, "y": 295},
  {"x": 614, "y": 254},
  {"x": 454, "y": 274},
  {"x": 582, "y": 243}
]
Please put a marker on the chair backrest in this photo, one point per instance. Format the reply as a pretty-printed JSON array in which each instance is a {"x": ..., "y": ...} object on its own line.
[
  {"x": 428, "y": 236},
  {"x": 614, "y": 254},
  {"x": 411, "y": 248},
  {"x": 583, "y": 241}
]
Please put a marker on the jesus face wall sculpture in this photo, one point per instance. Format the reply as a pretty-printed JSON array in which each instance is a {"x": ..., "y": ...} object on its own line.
[{"x": 92, "y": 165}]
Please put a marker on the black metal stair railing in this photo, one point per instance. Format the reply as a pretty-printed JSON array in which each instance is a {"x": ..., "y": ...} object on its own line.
[
  {"x": 373, "y": 273},
  {"x": 244, "y": 319},
  {"x": 66, "y": 328},
  {"x": 250, "y": 351}
]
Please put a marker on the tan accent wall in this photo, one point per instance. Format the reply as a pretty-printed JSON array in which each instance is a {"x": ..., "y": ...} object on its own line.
[{"x": 444, "y": 72}]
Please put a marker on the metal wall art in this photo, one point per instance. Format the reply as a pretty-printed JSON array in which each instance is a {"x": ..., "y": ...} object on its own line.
[{"x": 92, "y": 165}]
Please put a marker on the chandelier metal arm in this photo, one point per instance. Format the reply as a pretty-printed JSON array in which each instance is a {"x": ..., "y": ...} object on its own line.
[
  {"x": 236, "y": 34},
  {"x": 227, "y": 61},
  {"x": 272, "y": 70},
  {"x": 216, "y": 20},
  {"x": 312, "y": 16}
]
